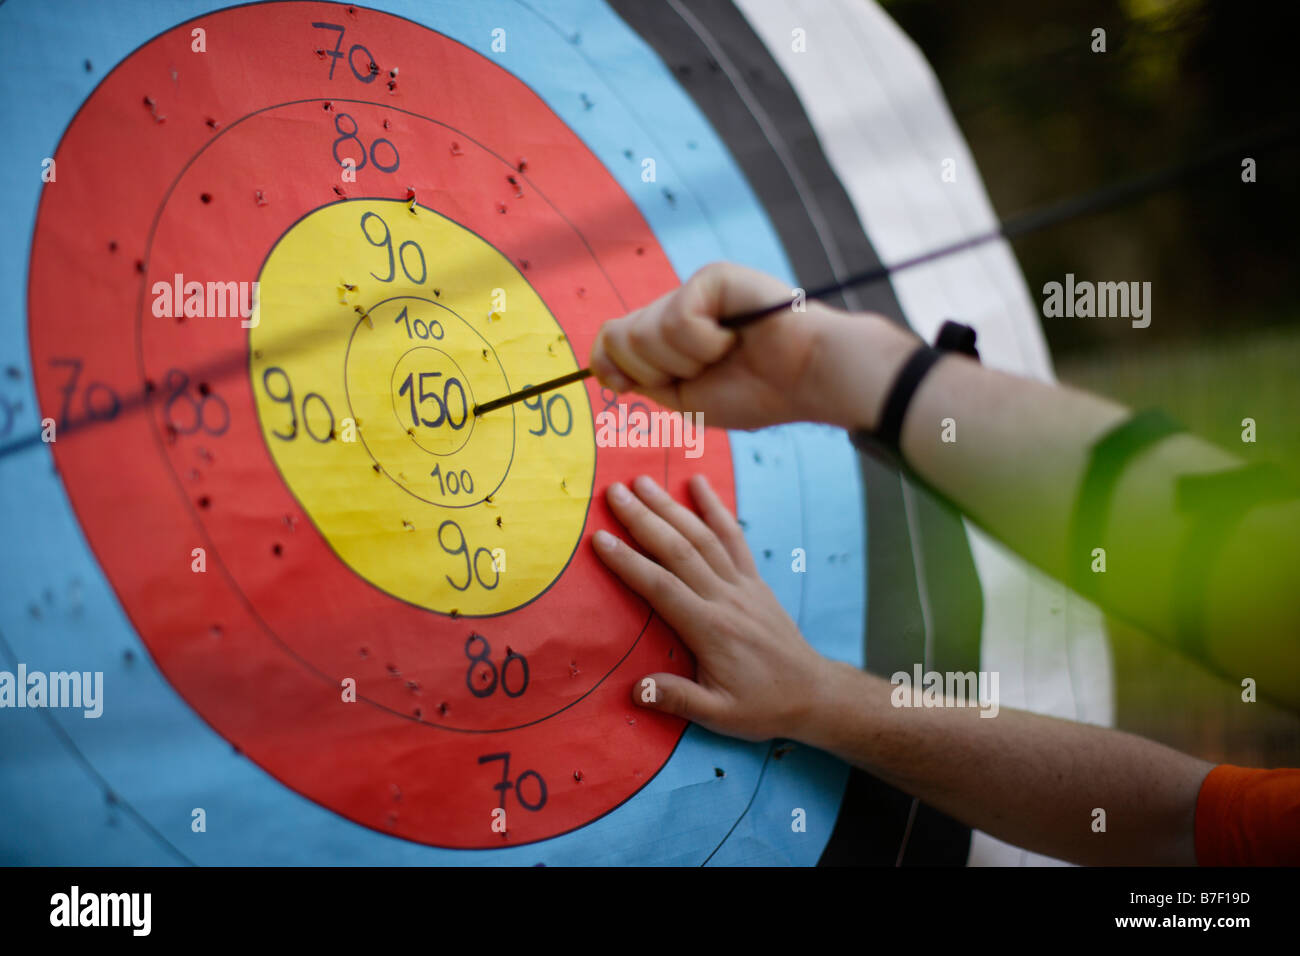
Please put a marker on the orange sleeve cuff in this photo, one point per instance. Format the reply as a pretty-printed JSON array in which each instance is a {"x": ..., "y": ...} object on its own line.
[{"x": 1247, "y": 817}]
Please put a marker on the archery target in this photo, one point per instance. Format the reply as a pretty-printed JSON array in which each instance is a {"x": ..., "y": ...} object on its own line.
[{"x": 430, "y": 223}]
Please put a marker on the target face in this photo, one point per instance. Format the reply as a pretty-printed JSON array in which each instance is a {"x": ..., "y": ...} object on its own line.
[
  {"x": 289, "y": 247},
  {"x": 389, "y": 605}
]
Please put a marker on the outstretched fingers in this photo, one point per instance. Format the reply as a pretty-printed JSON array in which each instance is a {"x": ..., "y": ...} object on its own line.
[
  {"x": 723, "y": 524},
  {"x": 665, "y": 543},
  {"x": 676, "y": 603},
  {"x": 688, "y": 524}
]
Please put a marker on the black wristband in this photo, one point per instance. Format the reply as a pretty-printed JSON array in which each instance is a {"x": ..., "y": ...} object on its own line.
[
  {"x": 889, "y": 430},
  {"x": 952, "y": 337}
]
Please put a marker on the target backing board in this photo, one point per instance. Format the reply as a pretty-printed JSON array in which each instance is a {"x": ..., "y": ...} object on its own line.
[{"x": 269, "y": 257}]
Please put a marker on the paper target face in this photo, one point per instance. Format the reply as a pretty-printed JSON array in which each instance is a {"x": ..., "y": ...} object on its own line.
[
  {"x": 334, "y": 610},
  {"x": 352, "y": 548}
]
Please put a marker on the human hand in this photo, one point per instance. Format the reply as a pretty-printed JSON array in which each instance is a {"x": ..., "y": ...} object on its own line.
[
  {"x": 817, "y": 365},
  {"x": 756, "y": 676}
]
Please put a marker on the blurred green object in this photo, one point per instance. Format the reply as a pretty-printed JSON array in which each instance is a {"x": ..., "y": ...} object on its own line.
[{"x": 1210, "y": 387}]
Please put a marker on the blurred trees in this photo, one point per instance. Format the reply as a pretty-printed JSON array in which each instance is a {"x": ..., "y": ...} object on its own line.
[{"x": 1046, "y": 118}]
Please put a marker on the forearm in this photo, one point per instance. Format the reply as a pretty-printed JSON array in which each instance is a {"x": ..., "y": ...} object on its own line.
[
  {"x": 1012, "y": 452},
  {"x": 1009, "y": 451},
  {"x": 1033, "y": 781}
]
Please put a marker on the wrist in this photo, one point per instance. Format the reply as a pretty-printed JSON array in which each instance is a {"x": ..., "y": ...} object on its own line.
[
  {"x": 855, "y": 359},
  {"x": 841, "y": 695}
]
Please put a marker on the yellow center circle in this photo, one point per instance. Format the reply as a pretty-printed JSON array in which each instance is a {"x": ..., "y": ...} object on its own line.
[{"x": 378, "y": 329}]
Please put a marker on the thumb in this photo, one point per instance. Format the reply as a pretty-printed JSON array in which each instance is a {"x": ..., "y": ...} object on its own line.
[{"x": 671, "y": 694}]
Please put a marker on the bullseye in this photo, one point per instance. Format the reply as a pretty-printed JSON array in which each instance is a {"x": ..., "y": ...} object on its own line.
[{"x": 425, "y": 361}]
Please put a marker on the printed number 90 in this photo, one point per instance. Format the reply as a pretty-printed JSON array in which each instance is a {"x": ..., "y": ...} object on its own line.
[
  {"x": 459, "y": 546},
  {"x": 548, "y": 414}
]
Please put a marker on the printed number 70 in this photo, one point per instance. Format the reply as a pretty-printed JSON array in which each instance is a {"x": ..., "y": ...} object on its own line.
[
  {"x": 368, "y": 75},
  {"x": 506, "y": 783}
]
